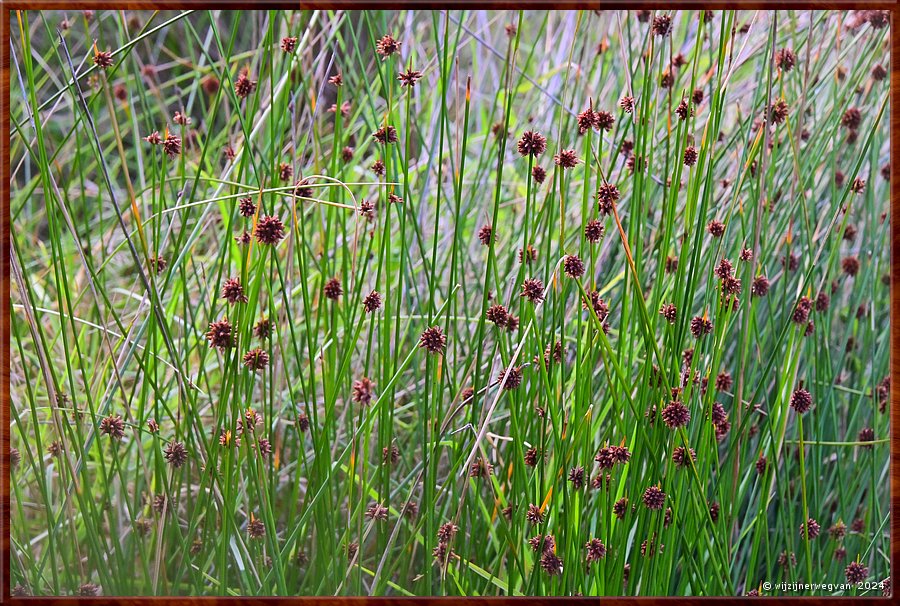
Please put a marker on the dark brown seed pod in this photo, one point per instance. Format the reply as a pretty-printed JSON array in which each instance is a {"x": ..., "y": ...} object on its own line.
[
  {"x": 654, "y": 498},
  {"x": 532, "y": 144},
  {"x": 594, "y": 231},
  {"x": 176, "y": 454},
  {"x": 269, "y": 230},
  {"x": 433, "y": 340},
  {"x": 533, "y": 290},
  {"x": 387, "y": 45},
  {"x": 256, "y": 359}
]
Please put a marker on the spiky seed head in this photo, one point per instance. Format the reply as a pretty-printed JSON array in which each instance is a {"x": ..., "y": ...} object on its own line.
[
  {"x": 362, "y": 391},
  {"x": 534, "y": 515},
  {"x": 801, "y": 400},
  {"x": 654, "y": 498},
  {"x": 385, "y": 134},
  {"x": 809, "y": 529},
  {"x": 244, "y": 86},
  {"x": 103, "y": 59},
  {"x": 785, "y": 59},
  {"x": 433, "y": 340},
  {"x": 662, "y": 25},
  {"x": 573, "y": 266},
  {"x": 513, "y": 379},
  {"x": 113, "y": 426},
  {"x": 256, "y": 359},
  {"x": 533, "y": 290},
  {"x": 288, "y": 44},
  {"x": 269, "y": 230},
  {"x": 700, "y": 326},
  {"x": 676, "y": 415},
  {"x": 233, "y": 292},
  {"x": 372, "y": 302},
  {"x": 256, "y": 529},
  {"x": 333, "y": 289},
  {"x": 387, "y": 45},
  {"x": 486, "y": 235},
  {"x": 669, "y": 312},
  {"x": 175, "y": 453},
  {"x": 567, "y": 158},
  {"x": 607, "y": 195},
  {"x": 594, "y": 231},
  {"x": 532, "y": 144}
]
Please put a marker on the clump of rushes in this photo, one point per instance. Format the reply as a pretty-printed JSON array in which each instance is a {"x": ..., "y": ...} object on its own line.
[
  {"x": 433, "y": 340},
  {"x": 449, "y": 301}
]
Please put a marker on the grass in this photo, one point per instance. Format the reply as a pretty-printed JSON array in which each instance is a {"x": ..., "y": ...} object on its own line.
[{"x": 355, "y": 461}]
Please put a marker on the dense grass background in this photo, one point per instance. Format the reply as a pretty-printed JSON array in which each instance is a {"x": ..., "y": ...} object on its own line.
[{"x": 264, "y": 504}]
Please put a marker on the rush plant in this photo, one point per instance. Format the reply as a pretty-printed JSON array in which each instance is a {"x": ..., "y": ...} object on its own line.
[{"x": 449, "y": 303}]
